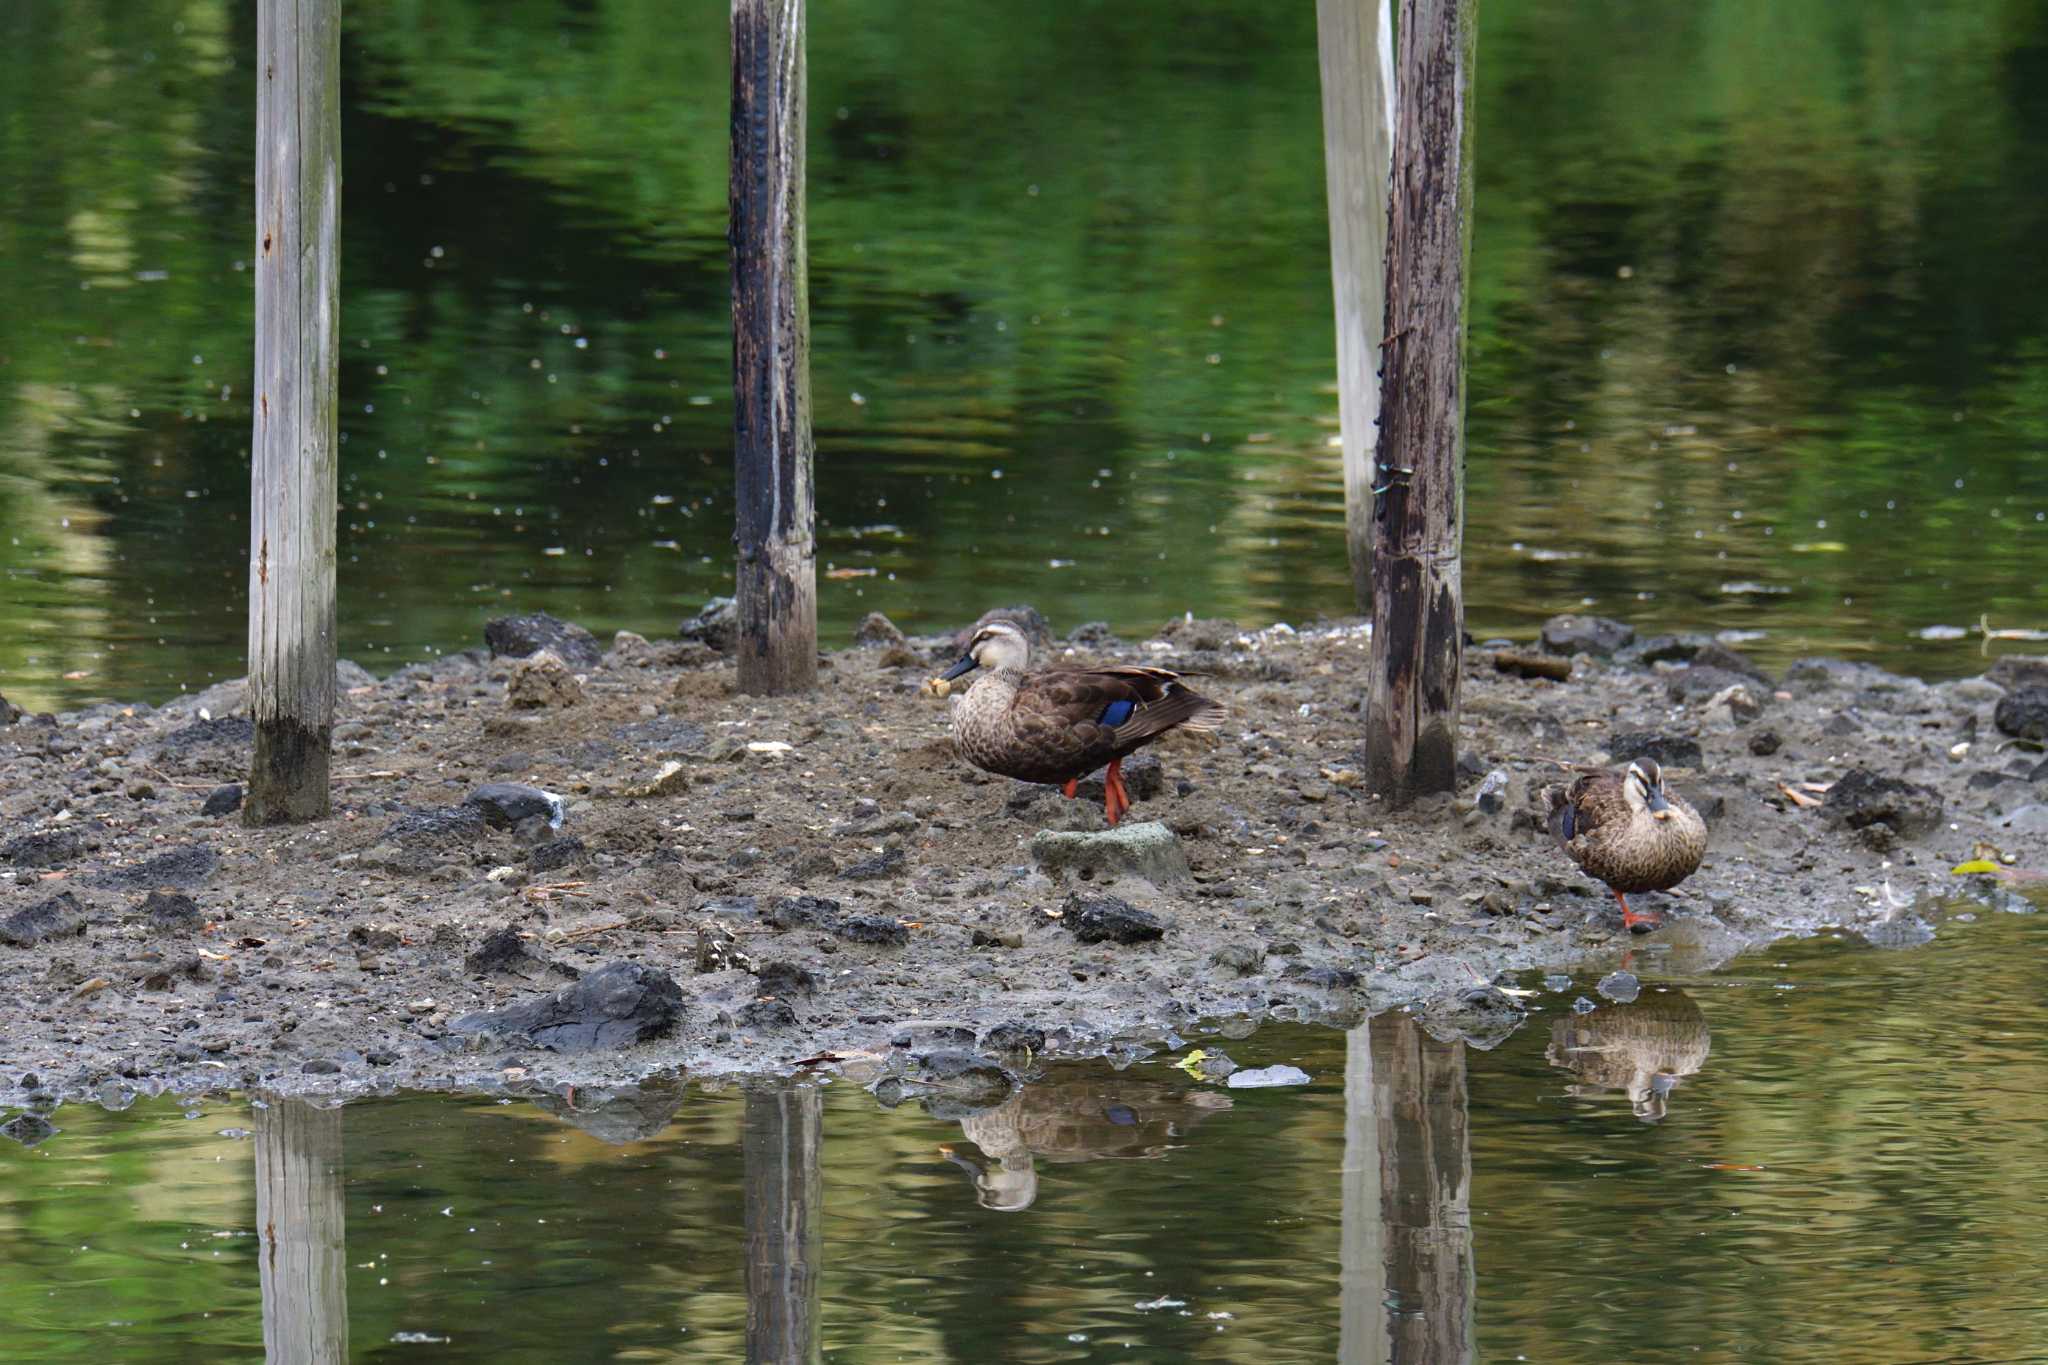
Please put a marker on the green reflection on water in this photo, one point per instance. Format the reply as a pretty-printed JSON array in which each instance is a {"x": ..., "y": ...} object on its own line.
[
  {"x": 1837, "y": 1160},
  {"x": 1752, "y": 311}
]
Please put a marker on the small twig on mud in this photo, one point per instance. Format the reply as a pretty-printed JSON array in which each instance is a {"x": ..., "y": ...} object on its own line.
[
  {"x": 550, "y": 890},
  {"x": 365, "y": 777},
  {"x": 159, "y": 775}
]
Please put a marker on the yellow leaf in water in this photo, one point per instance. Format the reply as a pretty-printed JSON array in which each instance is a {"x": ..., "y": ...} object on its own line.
[
  {"x": 1974, "y": 865},
  {"x": 1192, "y": 1063},
  {"x": 1819, "y": 547}
]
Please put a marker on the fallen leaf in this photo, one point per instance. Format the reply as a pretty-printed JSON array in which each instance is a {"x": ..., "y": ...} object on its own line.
[
  {"x": 1732, "y": 1166},
  {"x": 1975, "y": 865},
  {"x": 1799, "y": 798},
  {"x": 92, "y": 987},
  {"x": 851, "y": 573},
  {"x": 1192, "y": 1063}
]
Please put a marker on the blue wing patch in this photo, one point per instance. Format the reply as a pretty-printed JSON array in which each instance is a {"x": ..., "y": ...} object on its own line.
[
  {"x": 1116, "y": 713},
  {"x": 1571, "y": 823}
]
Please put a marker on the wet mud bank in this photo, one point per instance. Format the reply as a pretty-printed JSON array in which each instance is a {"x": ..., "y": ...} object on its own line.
[{"x": 601, "y": 864}]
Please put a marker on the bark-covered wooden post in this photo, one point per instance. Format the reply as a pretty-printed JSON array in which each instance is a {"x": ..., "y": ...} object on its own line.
[
  {"x": 1425, "y": 1151},
  {"x": 293, "y": 449},
  {"x": 781, "y": 1132},
  {"x": 1418, "y": 613},
  {"x": 1355, "y": 40},
  {"x": 1362, "y": 1240},
  {"x": 774, "y": 514},
  {"x": 303, "y": 1223}
]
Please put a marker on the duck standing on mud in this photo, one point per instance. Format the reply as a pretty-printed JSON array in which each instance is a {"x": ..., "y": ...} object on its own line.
[
  {"x": 1623, "y": 827},
  {"x": 1061, "y": 724}
]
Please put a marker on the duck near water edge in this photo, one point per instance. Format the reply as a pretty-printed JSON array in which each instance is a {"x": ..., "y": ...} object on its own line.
[{"x": 1624, "y": 827}]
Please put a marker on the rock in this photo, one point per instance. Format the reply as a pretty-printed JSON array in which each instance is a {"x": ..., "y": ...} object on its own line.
[
  {"x": 1671, "y": 751},
  {"x": 1735, "y": 703},
  {"x": 1671, "y": 649},
  {"x": 876, "y": 929},
  {"x": 519, "y": 637},
  {"x": 50, "y": 848},
  {"x": 1092, "y": 635},
  {"x": 2031, "y": 818},
  {"x": 801, "y": 912},
  {"x": 1111, "y": 919},
  {"x": 169, "y": 910},
  {"x": 1025, "y": 618},
  {"x": 542, "y": 682},
  {"x": 620, "y": 1117},
  {"x": 877, "y": 630},
  {"x": 2017, "y": 671},
  {"x": 1813, "y": 675},
  {"x": 556, "y": 853},
  {"x": 1013, "y": 1038},
  {"x": 788, "y": 980},
  {"x": 1862, "y": 797},
  {"x": 187, "y": 866},
  {"x": 1322, "y": 978},
  {"x": 29, "y": 1129},
  {"x": 1484, "y": 1017},
  {"x": 320, "y": 1066},
  {"x": 1572, "y": 633},
  {"x": 504, "y": 953},
  {"x": 965, "y": 1077},
  {"x": 1492, "y": 795},
  {"x": 1267, "y": 1076},
  {"x": 504, "y": 804},
  {"x": 2023, "y": 714},
  {"x": 438, "y": 827},
  {"x": 718, "y": 625},
  {"x": 632, "y": 650},
  {"x": 1147, "y": 849},
  {"x": 1842, "y": 724},
  {"x": 718, "y": 950},
  {"x": 1697, "y": 682},
  {"x": 225, "y": 799},
  {"x": 1240, "y": 959},
  {"x": 1764, "y": 743},
  {"x": 616, "y": 1006},
  {"x": 61, "y": 916},
  {"x": 1620, "y": 987},
  {"x": 1901, "y": 931},
  {"x": 9, "y": 712},
  {"x": 887, "y": 863},
  {"x": 769, "y": 1013},
  {"x": 1197, "y": 635},
  {"x": 1730, "y": 661}
]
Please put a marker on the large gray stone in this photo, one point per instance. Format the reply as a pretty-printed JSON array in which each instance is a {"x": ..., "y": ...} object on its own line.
[
  {"x": 1572, "y": 633},
  {"x": 2023, "y": 714},
  {"x": 1147, "y": 849},
  {"x": 1863, "y": 798},
  {"x": 517, "y": 637},
  {"x": 616, "y": 1006},
  {"x": 2015, "y": 671}
]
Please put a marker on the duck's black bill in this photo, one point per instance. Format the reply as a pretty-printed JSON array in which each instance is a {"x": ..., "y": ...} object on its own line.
[{"x": 966, "y": 665}]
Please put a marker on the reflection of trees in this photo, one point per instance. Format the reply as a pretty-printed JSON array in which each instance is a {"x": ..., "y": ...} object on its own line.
[
  {"x": 1104, "y": 1118},
  {"x": 1408, "y": 1275},
  {"x": 1643, "y": 1048},
  {"x": 302, "y": 1221},
  {"x": 780, "y": 1137}
]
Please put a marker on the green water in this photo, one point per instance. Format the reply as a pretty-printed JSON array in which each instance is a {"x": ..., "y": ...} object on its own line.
[
  {"x": 1757, "y": 338},
  {"x": 1841, "y": 1163}
]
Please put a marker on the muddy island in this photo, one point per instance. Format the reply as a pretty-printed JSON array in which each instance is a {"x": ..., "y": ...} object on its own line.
[{"x": 555, "y": 864}]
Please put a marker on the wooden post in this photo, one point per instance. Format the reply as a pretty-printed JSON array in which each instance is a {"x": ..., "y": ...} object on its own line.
[
  {"x": 1418, "y": 616},
  {"x": 775, "y": 518},
  {"x": 1362, "y": 1240},
  {"x": 1425, "y": 1149},
  {"x": 781, "y": 1132},
  {"x": 1355, "y": 41},
  {"x": 293, "y": 461},
  {"x": 303, "y": 1223}
]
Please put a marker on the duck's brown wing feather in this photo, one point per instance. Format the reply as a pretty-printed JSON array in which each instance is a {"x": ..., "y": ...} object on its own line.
[
  {"x": 1075, "y": 720},
  {"x": 1590, "y": 801}
]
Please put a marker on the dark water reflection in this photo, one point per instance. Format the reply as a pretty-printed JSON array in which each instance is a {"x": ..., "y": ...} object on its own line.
[
  {"x": 1849, "y": 1170},
  {"x": 1753, "y": 342}
]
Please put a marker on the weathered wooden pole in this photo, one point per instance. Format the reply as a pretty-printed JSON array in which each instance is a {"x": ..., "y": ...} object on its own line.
[
  {"x": 293, "y": 450},
  {"x": 774, "y": 514},
  {"x": 1425, "y": 1150},
  {"x": 302, "y": 1221},
  {"x": 1355, "y": 40},
  {"x": 1418, "y": 616},
  {"x": 1362, "y": 1240},
  {"x": 780, "y": 1135}
]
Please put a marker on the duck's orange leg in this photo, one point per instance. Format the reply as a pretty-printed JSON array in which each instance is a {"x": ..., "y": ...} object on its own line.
[
  {"x": 1636, "y": 923},
  {"x": 1068, "y": 787},
  {"x": 1115, "y": 800}
]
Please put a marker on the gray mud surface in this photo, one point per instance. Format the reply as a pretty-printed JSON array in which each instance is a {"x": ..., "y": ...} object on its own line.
[{"x": 824, "y": 876}]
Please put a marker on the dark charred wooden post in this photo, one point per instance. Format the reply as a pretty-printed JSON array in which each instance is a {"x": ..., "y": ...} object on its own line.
[
  {"x": 1418, "y": 613},
  {"x": 781, "y": 1133},
  {"x": 293, "y": 450},
  {"x": 1355, "y": 41},
  {"x": 302, "y": 1219},
  {"x": 775, "y": 517},
  {"x": 1425, "y": 1152}
]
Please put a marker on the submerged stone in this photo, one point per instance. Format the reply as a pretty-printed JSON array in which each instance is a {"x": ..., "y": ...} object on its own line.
[{"x": 1267, "y": 1076}]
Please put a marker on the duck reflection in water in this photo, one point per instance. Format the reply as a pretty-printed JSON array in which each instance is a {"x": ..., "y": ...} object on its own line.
[
  {"x": 1072, "y": 1121},
  {"x": 1643, "y": 1048}
]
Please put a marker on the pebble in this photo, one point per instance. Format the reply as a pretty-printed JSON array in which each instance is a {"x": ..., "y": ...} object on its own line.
[
  {"x": 1620, "y": 987},
  {"x": 1267, "y": 1076}
]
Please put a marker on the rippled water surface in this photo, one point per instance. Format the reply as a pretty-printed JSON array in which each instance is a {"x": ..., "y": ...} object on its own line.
[
  {"x": 1756, "y": 338},
  {"x": 1824, "y": 1152}
]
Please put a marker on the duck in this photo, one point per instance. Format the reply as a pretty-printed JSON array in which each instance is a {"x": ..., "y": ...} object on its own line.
[
  {"x": 1643, "y": 1048},
  {"x": 1058, "y": 725},
  {"x": 1625, "y": 827}
]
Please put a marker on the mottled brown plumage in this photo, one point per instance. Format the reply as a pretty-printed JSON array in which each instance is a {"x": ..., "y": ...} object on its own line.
[
  {"x": 1643, "y": 1048},
  {"x": 1623, "y": 827},
  {"x": 1061, "y": 724}
]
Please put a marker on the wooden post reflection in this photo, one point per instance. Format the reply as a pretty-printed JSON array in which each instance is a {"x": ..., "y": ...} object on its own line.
[
  {"x": 780, "y": 1138},
  {"x": 300, "y": 1214},
  {"x": 1425, "y": 1154},
  {"x": 1362, "y": 1286}
]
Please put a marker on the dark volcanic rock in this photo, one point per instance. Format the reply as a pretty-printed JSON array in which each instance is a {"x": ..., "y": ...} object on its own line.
[
  {"x": 1322, "y": 978},
  {"x": 1764, "y": 743},
  {"x": 556, "y": 853},
  {"x": 1014, "y": 1037},
  {"x": 2018, "y": 671},
  {"x": 1672, "y": 751},
  {"x": 616, "y": 1006},
  {"x": 170, "y": 910},
  {"x": 1669, "y": 649},
  {"x": 1572, "y": 633},
  {"x": 504, "y": 953},
  {"x": 766, "y": 1014},
  {"x": 505, "y": 804},
  {"x": 52, "y": 848},
  {"x": 887, "y": 863},
  {"x": 718, "y": 625},
  {"x": 515, "y": 637},
  {"x": 225, "y": 799},
  {"x": 9, "y": 712},
  {"x": 439, "y": 826},
  {"x": 1731, "y": 660},
  {"x": 187, "y": 866},
  {"x": 1697, "y": 682},
  {"x": 788, "y": 980},
  {"x": 221, "y": 732},
  {"x": 1111, "y": 919},
  {"x": 875, "y": 929},
  {"x": 29, "y": 1129},
  {"x": 61, "y": 916},
  {"x": 801, "y": 912},
  {"x": 2023, "y": 714},
  {"x": 965, "y": 1081},
  {"x": 1862, "y": 797}
]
